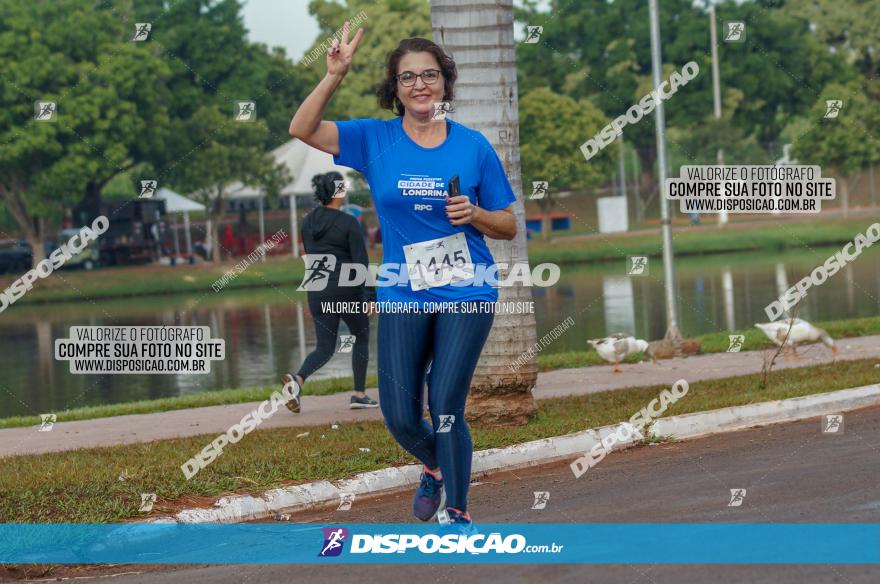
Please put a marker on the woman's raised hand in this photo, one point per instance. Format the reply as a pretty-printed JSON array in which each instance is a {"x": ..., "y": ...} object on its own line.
[{"x": 341, "y": 51}]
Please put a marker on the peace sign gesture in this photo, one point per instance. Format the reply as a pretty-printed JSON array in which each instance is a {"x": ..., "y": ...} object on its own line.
[{"x": 341, "y": 51}]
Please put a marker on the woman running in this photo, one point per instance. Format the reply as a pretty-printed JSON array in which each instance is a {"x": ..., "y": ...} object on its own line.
[
  {"x": 413, "y": 163},
  {"x": 327, "y": 230}
]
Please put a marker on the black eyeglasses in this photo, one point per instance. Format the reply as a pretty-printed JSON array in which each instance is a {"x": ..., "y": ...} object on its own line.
[{"x": 408, "y": 78}]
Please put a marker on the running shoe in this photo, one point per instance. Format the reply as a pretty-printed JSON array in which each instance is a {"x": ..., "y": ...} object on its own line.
[
  {"x": 430, "y": 496},
  {"x": 291, "y": 389},
  {"x": 362, "y": 403},
  {"x": 453, "y": 520}
]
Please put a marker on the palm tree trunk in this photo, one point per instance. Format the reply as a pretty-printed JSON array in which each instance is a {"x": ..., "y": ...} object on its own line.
[{"x": 478, "y": 35}]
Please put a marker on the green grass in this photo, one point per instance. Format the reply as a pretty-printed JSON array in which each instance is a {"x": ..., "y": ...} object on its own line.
[
  {"x": 710, "y": 343},
  {"x": 774, "y": 236},
  {"x": 125, "y": 282},
  {"x": 84, "y": 485}
]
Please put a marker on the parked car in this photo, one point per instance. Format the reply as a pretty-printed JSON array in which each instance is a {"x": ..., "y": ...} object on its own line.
[
  {"x": 15, "y": 256},
  {"x": 87, "y": 259}
]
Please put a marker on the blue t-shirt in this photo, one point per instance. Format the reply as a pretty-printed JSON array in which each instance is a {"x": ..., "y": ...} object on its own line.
[{"x": 410, "y": 184}]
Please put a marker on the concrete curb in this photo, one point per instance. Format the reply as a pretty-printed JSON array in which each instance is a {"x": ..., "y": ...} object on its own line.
[
  {"x": 320, "y": 493},
  {"x": 774, "y": 412}
]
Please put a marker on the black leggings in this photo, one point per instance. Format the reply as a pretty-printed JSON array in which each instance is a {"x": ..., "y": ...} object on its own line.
[{"x": 326, "y": 329}]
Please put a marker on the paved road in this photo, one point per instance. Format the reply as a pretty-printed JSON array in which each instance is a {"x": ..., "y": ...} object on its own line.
[
  {"x": 791, "y": 473},
  {"x": 334, "y": 408}
]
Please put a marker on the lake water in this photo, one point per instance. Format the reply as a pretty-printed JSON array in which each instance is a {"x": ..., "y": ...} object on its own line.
[{"x": 268, "y": 332}]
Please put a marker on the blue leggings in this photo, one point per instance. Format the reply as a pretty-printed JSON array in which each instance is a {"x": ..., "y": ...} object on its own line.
[{"x": 451, "y": 344}]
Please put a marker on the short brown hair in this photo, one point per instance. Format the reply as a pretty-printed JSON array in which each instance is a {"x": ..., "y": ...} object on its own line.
[{"x": 386, "y": 91}]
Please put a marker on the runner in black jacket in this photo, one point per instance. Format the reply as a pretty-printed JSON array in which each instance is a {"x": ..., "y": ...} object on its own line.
[{"x": 328, "y": 230}]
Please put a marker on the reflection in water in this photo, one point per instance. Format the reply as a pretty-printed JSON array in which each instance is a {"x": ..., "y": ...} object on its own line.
[
  {"x": 700, "y": 296},
  {"x": 727, "y": 291},
  {"x": 712, "y": 297},
  {"x": 620, "y": 310},
  {"x": 45, "y": 349},
  {"x": 268, "y": 326},
  {"x": 781, "y": 281},
  {"x": 850, "y": 286},
  {"x": 267, "y": 334}
]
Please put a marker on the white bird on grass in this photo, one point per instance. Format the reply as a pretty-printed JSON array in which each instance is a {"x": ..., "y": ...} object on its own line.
[
  {"x": 801, "y": 332},
  {"x": 618, "y": 347}
]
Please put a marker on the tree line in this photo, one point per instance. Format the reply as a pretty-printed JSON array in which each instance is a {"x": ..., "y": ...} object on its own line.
[{"x": 163, "y": 108}]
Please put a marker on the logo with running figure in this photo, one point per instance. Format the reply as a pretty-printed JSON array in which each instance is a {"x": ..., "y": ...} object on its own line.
[
  {"x": 539, "y": 189},
  {"x": 734, "y": 31},
  {"x": 47, "y": 422},
  {"x": 737, "y": 496},
  {"x": 832, "y": 108},
  {"x": 141, "y": 31},
  {"x": 245, "y": 111},
  {"x": 446, "y": 423},
  {"x": 334, "y": 541},
  {"x": 345, "y": 501},
  {"x": 441, "y": 108},
  {"x": 340, "y": 188},
  {"x": 148, "y": 189},
  {"x": 637, "y": 266},
  {"x": 346, "y": 343},
  {"x": 736, "y": 343},
  {"x": 319, "y": 266},
  {"x": 533, "y": 34},
  {"x": 541, "y": 499},
  {"x": 147, "y": 502},
  {"x": 45, "y": 111},
  {"x": 832, "y": 424}
]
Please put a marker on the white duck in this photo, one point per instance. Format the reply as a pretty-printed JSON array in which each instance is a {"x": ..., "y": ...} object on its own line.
[
  {"x": 618, "y": 347},
  {"x": 801, "y": 332}
]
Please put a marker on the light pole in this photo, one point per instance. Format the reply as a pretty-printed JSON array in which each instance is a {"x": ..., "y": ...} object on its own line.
[
  {"x": 672, "y": 331},
  {"x": 716, "y": 93}
]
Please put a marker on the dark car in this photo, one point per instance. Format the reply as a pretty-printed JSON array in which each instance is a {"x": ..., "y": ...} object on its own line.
[{"x": 15, "y": 256}]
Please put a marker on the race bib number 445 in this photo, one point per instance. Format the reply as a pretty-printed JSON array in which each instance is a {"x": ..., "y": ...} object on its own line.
[{"x": 438, "y": 262}]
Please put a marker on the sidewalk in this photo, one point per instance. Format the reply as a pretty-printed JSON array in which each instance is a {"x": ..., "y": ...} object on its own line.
[{"x": 334, "y": 408}]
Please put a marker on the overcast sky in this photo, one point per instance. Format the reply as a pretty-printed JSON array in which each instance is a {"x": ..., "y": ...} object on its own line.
[
  {"x": 284, "y": 23},
  {"x": 288, "y": 24}
]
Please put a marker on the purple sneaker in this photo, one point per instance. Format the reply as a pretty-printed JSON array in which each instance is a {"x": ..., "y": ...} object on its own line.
[{"x": 430, "y": 496}]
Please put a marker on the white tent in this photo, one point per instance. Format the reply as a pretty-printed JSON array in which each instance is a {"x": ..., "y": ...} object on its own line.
[
  {"x": 177, "y": 203},
  {"x": 302, "y": 162}
]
